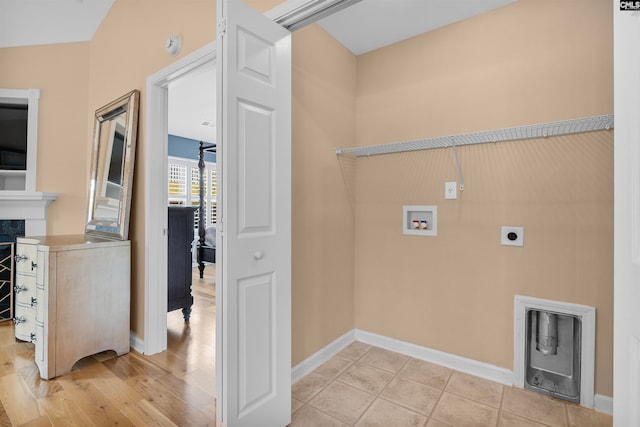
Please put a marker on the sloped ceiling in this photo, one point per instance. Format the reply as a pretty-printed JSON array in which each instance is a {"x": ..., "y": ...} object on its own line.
[
  {"x": 372, "y": 24},
  {"x": 365, "y": 26},
  {"x": 36, "y": 22}
]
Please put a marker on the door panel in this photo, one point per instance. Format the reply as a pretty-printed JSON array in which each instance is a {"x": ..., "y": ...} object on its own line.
[
  {"x": 255, "y": 56},
  {"x": 255, "y": 168},
  {"x": 253, "y": 365},
  {"x": 256, "y": 334}
]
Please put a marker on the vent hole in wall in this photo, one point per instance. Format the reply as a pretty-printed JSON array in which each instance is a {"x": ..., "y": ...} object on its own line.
[{"x": 553, "y": 355}]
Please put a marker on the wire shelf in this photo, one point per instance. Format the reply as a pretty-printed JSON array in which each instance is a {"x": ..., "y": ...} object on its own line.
[{"x": 544, "y": 130}]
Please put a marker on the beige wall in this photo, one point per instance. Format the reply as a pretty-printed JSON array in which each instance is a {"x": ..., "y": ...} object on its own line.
[
  {"x": 82, "y": 77},
  {"x": 61, "y": 74},
  {"x": 324, "y": 84},
  {"x": 322, "y": 300},
  {"x": 78, "y": 78},
  {"x": 535, "y": 61},
  {"x": 531, "y": 62},
  {"x": 133, "y": 35}
]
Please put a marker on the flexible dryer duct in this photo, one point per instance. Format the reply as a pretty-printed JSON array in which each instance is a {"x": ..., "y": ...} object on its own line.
[{"x": 547, "y": 339}]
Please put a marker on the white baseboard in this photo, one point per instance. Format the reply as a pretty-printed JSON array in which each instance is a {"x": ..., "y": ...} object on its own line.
[
  {"x": 462, "y": 364},
  {"x": 321, "y": 356},
  {"x": 473, "y": 367},
  {"x": 603, "y": 404},
  {"x": 136, "y": 343}
]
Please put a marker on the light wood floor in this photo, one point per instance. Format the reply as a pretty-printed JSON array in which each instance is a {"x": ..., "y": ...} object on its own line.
[{"x": 176, "y": 387}]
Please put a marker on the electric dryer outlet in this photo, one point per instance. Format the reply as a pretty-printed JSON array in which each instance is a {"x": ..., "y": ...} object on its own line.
[{"x": 512, "y": 236}]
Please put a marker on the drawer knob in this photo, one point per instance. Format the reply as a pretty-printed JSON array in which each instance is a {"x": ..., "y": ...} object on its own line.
[
  {"x": 19, "y": 288},
  {"x": 20, "y": 258},
  {"x": 33, "y": 265},
  {"x": 18, "y": 320},
  {"x": 32, "y": 335},
  {"x": 34, "y": 302}
]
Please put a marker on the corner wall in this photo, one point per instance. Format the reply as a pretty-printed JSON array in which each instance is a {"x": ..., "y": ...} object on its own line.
[
  {"x": 61, "y": 73},
  {"x": 76, "y": 79},
  {"x": 127, "y": 48},
  {"x": 530, "y": 62},
  {"x": 323, "y": 105}
]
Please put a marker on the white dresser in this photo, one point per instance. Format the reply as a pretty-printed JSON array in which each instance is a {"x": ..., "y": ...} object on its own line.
[{"x": 72, "y": 298}]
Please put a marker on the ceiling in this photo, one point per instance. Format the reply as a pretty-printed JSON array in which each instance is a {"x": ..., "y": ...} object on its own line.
[
  {"x": 36, "y": 22},
  {"x": 384, "y": 22},
  {"x": 192, "y": 106},
  {"x": 192, "y": 98}
]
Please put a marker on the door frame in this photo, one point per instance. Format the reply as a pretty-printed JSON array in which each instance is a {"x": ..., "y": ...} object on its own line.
[
  {"x": 626, "y": 260},
  {"x": 156, "y": 194},
  {"x": 290, "y": 13}
]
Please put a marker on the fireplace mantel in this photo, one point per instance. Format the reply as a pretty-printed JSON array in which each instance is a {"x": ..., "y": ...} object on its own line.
[{"x": 28, "y": 206}]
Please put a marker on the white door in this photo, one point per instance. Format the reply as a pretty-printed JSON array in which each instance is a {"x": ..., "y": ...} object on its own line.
[
  {"x": 626, "y": 393},
  {"x": 253, "y": 354}
]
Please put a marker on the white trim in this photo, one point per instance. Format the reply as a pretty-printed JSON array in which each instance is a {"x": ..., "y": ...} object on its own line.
[
  {"x": 543, "y": 130},
  {"x": 136, "y": 343},
  {"x": 452, "y": 361},
  {"x": 295, "y": 14},
  {"x": 603, "y": 404},
  {"x": 321, "y": 356},
  {"x": 587, "y": 364},
  {"x": 473, "y": 367},
  {"x": 156, "y": 143},
  {"x": 30, "y": 207},
  {"x": 32, "y": 139},
  {"x": 30, "y": 97},
  {"x": 458, "y": 363}
]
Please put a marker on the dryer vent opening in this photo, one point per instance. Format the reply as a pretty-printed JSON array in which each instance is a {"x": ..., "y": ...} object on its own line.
[
  {"x": 554, "y": 348},
  {"x": 553, "y": 354}
]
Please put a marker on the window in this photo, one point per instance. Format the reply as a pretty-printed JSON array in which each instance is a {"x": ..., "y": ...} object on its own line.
[{"x": 184, "y": 188}]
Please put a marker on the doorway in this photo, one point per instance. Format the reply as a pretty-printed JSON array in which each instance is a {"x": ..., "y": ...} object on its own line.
[
  {"x": 156, "y": 174},
  {"x": 192, "y": 206}
]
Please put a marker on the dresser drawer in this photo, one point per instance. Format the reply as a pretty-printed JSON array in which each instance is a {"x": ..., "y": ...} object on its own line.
[
  {"x": 25, "y": 289},
  {"x": 25, "y": 322},
  {"x": 26, "y": 258}
]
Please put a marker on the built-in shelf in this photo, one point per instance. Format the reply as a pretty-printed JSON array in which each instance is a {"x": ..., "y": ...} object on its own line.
[
  {"x": 420, "y": 220},
  {"x": 13, "y": 180},
  {"x": 544, "y": 130}
]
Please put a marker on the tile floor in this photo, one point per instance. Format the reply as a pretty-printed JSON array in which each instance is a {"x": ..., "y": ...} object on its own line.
[{"x": 370, "y": 386}]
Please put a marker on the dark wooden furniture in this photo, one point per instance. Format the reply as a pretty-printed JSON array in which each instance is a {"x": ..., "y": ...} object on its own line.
[
  {"x": 181, "y": 224},
  {"x": 206, "y": 253}
]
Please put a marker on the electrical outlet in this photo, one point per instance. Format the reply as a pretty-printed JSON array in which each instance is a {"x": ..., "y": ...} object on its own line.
[
  {"x": 450, "y": 190},
  {"x": 512, "y": 236}
]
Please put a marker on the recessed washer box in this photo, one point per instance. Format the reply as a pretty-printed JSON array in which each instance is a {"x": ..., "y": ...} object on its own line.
[
  {"x": 512, "y": 236},
  {"x": 420, "y": 220}
]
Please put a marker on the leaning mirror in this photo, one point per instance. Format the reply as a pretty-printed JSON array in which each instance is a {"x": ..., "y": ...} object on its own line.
[{"x": 111, "y": 179}]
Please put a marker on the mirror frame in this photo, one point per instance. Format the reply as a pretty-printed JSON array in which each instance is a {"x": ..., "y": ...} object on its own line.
[{"x": 119, "y": 229}]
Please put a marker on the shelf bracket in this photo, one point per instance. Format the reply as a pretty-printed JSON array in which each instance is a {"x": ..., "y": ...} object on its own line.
[{"x": 455, "y": 154}]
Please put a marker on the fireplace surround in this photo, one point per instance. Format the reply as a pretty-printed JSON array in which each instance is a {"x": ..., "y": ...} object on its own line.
[{"x": 28, "y": 206}]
